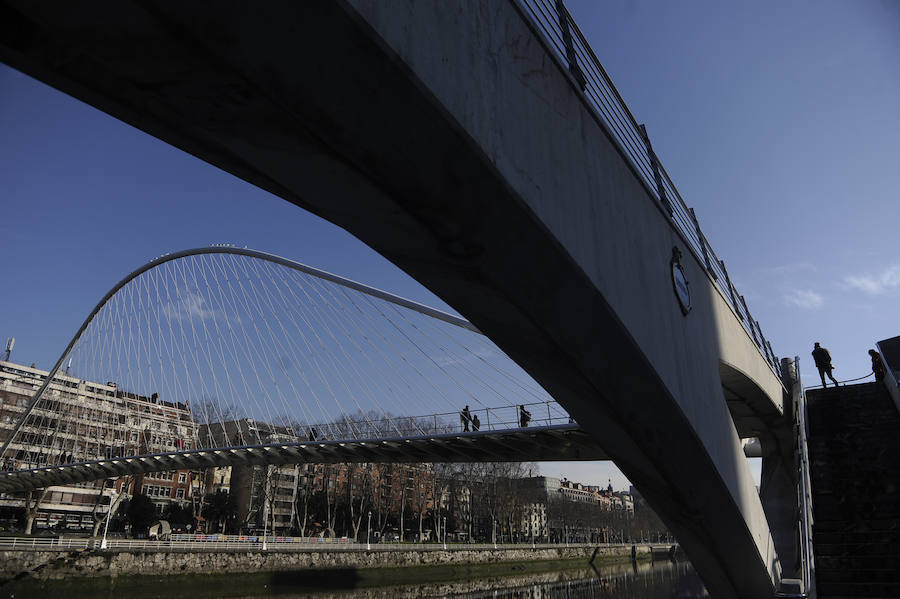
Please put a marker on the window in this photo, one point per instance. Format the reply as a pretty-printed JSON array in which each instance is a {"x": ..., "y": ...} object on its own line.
[
  {"x": 182, "y": 477},
  {"x": 179, "y": 494}
]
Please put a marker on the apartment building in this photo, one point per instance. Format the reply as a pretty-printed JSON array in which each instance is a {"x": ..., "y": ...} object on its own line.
[{"x": 81, "y": 420}]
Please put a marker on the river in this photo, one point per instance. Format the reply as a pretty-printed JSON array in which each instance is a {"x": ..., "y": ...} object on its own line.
[{"x": 658, "y": 580}]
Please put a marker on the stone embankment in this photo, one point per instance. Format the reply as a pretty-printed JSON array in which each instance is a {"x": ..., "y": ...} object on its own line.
[{"x": 46, "y": 565}]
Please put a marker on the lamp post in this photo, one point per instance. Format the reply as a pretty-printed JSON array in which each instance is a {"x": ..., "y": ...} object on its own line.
[
  {"x": 445, "y": 532},
  {"x": 368, "y": 530},
  {"x": 494, "y": 529},
  {"x": 265, "y": 526},
  {"x": 106, "y": 526},
  {"x": 532, "y": 532}
]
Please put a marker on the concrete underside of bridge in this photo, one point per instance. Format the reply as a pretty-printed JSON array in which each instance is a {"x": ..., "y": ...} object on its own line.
[{"x": 446, "y": 137}]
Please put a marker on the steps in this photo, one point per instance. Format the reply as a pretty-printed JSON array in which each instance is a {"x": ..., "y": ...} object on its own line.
[{"x": 854, "y": 452}]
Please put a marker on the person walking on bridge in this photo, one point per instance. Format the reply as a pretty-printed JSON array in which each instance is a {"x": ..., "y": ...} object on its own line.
[
  {"x": 464, "y": 418},
  {"x": 823, "y": 363}
]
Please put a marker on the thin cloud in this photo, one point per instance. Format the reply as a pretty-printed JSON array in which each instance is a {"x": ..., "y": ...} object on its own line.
[
  {"x": 875, "y": 284},
  {"x": 190, "y": 305},
  {"x": 804, "y": 299}
]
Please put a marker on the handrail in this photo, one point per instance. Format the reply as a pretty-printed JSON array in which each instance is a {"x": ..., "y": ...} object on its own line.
[
  {"x": 498, "y": 418},
  {"x": 274, "y": 544},
  {"x": 542, "y": 414},
  {"x": 568, "y": 45},
  {"x": 804, "y": 494},
  {"x": 844, "y": 382}
]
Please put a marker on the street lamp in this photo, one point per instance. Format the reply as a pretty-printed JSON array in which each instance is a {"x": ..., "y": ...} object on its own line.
[
  {"x": 265, "y": 526},
  {"x": 368, "y": 530},
  {"x": 494, "y": 530},
  {"x": 106, "y": 526},
  {"x": 532, "y": 532}
]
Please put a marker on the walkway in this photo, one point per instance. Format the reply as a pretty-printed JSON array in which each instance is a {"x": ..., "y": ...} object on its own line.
[{"x": 563, "y": 442}]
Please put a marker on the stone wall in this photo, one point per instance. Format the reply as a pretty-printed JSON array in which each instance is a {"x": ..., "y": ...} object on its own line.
[{"x": 46, "y": 565}]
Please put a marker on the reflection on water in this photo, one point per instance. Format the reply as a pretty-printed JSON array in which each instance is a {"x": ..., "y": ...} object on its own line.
[
  {"x": 624, "y": 581},
  {"x": 647, "y": 581}
]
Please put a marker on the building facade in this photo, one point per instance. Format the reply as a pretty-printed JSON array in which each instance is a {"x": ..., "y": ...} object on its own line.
[{"x": 78, "y": 420}]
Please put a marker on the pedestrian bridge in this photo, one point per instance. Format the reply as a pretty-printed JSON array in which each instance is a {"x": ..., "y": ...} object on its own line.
[
  {"x": 483, "y": 149},
  {"x": 562, "y": 442}
]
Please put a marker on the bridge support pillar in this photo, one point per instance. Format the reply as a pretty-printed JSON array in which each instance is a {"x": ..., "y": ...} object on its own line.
[
  {"x": 779, "y": 478},
  {"x": 778, "y": 493}
]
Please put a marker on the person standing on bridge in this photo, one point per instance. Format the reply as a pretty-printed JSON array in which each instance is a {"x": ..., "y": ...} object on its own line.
[
  {"x": 464, "y": 418},
  {"x": 476, "y": 423},
  {"x": 877, "y": 365},
  {"x": 823, "y": 363},
  {"x": 524, "y": 417}
]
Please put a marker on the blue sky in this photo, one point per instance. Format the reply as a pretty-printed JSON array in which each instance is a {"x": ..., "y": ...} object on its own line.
[
  {"x": 778, "y": 121},
  {"x": 780, "y": 124}
]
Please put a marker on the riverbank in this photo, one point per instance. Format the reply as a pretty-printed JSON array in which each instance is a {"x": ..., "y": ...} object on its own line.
[
  {"x": 93, "y": 563},
  {"x": 386, "y": 583},
  {"x": 440, "y": 579}
]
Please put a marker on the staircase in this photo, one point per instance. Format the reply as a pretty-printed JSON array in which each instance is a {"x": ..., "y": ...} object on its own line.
[{"x": 854, "y": 453}]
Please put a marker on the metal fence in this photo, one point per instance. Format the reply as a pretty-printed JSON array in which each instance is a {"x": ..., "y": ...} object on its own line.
[
  {"x": 300, "y": 544},
  {"x": 540, "y": 413},
  {"x": 568, "y": 45}
]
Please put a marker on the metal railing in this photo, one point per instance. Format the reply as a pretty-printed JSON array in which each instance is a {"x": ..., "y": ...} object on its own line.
[
  {"x": 541, "y": 413},
  {"x": 568, "y": 45},
  {"x": 278, "y": 544},
  {"x": 804, "y": 495},
  {"x": 497, "y": 419}
]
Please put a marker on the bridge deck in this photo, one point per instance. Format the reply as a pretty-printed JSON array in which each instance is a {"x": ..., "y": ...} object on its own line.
[{"x": 546, "y": 443}]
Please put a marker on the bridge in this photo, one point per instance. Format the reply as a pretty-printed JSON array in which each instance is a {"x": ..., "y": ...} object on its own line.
[
  {"x": 551, "y": 435},
  {"x": 555, "y": 443},
  {"x": 314, "y": 329},
  {"x": 483, "y": 149}
]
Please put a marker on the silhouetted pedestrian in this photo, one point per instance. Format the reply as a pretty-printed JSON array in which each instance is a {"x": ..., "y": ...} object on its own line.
[
  {"x": 464, "y": 418},
  {"x": 524, "y": 416},
  {"x": 877, "y": 365},
  {"x": 476, "y": 423},
  {"x": 823, "y": 363}
]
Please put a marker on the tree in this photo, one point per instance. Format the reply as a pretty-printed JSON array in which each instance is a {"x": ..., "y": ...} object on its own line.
[
  {"x": 359, "y": 493},
  {"x": 221, "y": 511},
  {"x": 403, "y": 488},
  {"x": 98, "y": 516},
  {"x": 198, "y": 495},
  {"x": 32, "y": 503},
  {"x": 141, "y": 513},
  {"x": 177, "y": 515},
  {"x": 303, "y": 498},
  {"x": 329, "y": 481}
]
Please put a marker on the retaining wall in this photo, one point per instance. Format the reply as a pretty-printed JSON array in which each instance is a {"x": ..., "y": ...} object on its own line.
[{"x": 46, "y": 565}]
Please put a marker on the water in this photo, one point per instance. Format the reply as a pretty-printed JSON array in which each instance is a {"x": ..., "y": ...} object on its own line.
[{"x": 526, "y": 581}]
